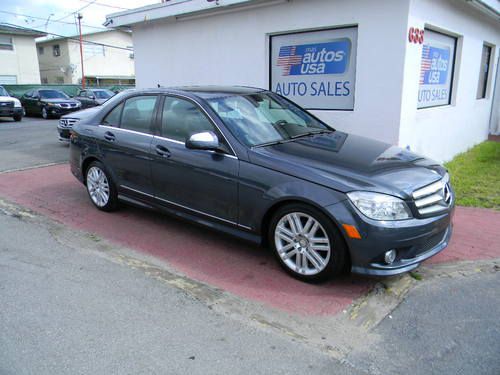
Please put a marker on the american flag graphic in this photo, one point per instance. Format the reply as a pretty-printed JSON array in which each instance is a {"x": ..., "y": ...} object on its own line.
[
  {"x": 287, "y": 58},
  {"x": 425, "y": 65}
]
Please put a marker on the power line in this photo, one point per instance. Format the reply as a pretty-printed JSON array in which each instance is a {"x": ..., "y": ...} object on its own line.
[
  {"x": 68, "y": 37},
  {"x": 44, "y": 19},
  {"x": 104, "y": 5}
]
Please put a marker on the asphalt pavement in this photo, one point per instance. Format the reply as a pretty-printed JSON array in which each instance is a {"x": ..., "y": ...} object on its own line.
[
  {"x": 72, "y": 303},
  {"x": 30, "y": 142}
]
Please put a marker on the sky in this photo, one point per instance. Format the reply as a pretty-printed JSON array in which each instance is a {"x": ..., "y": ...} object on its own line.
[{"x": 58, "y": 16}]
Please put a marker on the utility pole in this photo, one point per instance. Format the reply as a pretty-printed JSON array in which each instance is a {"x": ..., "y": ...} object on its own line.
[{"x": 81, "y": 49}]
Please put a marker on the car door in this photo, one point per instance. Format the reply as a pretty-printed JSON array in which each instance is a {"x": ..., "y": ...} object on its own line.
[
  {"x": 28, "y": 101},
  {"x": 82, "y": 98},
  {"x": 201, "y": 181},
  {"x": 124, "y": 138}
]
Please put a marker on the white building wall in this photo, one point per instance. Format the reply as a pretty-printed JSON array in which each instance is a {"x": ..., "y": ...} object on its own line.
[
  {"x": 22, "y": 62},
  {"x": 115, "y": 62},
  {"x": 54, "y": 68},
  {"x": 233, "y": 49},
  {"x": 442, "y": 132}
]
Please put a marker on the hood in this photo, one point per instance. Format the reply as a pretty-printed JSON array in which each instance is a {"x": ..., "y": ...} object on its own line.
[
  {"x": 83, "y": 114},
  {"x": 347, "y": 162},
  {"x": 57, "y": 101},
  {"x": 8, "y": 99}
]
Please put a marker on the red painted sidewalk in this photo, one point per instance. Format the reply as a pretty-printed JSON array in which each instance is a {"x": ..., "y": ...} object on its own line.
[{"x": 219, "y": 260}]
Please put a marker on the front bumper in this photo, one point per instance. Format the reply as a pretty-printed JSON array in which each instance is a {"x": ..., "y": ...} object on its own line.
[
  {"x": 415, "y": 240},
  {"x": 64, "y": 134},
  {"x": 11, "y": 111},
  {"x": 58, "y": 111}
]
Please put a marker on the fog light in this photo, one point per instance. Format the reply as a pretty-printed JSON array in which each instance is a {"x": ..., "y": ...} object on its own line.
[{"x": 390, "y": 256}]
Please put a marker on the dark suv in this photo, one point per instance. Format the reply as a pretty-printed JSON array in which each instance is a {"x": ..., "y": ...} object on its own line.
[{"x": 253, "y": 164}]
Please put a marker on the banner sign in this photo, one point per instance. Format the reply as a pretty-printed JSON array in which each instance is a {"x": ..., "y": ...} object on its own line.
[
  {"x": 436, "y": 70},
  {"x": 315, "y": 69}
]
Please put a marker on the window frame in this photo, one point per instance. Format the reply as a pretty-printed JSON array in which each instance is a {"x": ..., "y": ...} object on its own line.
[
  {"x": 152, "y": 125},
  {"x": 41, "y": 50},
  {"x": 228, "y": 148},
  {"x": 58, "y": 50},
  {"x": 487, "y": 79},
  {"x": 453, "y": 59},
  {"x": 11, "y": 44}
]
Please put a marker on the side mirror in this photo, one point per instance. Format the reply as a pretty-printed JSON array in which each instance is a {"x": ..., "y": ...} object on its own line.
[
  {"x": 91, "y": 97},
  {"x": 203, "y": 141},
  {"x": 71, "y": 96}
]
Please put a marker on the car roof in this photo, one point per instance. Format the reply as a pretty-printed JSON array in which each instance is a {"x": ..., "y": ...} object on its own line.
[{"x": 204, "y": 92}]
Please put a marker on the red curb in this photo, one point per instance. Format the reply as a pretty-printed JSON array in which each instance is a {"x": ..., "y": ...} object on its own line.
[{"x": 219, "y": 260}]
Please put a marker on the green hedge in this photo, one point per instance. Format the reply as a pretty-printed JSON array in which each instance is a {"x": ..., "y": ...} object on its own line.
[{"x": 72, "y": 90}]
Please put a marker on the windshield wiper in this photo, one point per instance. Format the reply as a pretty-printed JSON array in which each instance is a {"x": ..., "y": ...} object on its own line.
[{"x": 322, "y": 131}]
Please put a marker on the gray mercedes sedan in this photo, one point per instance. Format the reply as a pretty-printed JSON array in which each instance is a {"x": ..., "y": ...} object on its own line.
[{"x": 255, "y": 165}]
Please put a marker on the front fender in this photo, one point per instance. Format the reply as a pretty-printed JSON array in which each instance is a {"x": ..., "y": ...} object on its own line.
[{"x": 261, "y": 189}]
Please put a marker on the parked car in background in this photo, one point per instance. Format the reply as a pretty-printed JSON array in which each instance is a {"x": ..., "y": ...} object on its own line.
[
  {"x": 254, "y": 164},
  {"x": 93, "y": 97},
  {"x": 10, "y": 106},
  {"x": 48, "y": 103}
]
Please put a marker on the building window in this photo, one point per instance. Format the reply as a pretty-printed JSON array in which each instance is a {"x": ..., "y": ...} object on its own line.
[
  {"x": 6, "y": 43},
  {"x": 59, "y": 79},
  {"x": 56, "y": 50},
  {"x": 316, "y": 69},
  {"x": 40, "y": 50},
  {"x": 484, "y": 72},
  {"x": 436, "y": 69},
  {"x": 93, "y": 49},
  {"x": 45, "y": 80},
  {"x": 8, "y": 80}
]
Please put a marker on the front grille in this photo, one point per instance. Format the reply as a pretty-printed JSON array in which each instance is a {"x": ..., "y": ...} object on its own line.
[
  {"x": 68, "y": 105},
  {"x": 67, "y": 123},
  {"x": 6, "y": 104},
  {"x": 433, "y": 198}
]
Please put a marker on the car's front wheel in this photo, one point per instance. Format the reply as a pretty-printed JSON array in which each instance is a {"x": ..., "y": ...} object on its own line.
[
  {"x": 100, "y": 186},
  {"x": 306, "y": 243},
  {"x": 45, "y": 113},
  {"x": 18, "y": 117}
]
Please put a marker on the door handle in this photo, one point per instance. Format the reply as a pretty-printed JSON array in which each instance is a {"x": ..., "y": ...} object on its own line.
[
  {"x": 110, "y": 137},
  {"x": 162, "y": 151}
]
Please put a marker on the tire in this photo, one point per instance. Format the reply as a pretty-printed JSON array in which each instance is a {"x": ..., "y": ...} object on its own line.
[
  {"x": 17, "y": 118},
  {"x": 304, "y": 259},
  {"x": 100, "y": 187},
  {"x": 45, "y": 114}
]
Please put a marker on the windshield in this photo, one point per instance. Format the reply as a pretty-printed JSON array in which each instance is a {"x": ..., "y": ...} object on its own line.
[
  {"x": 265, "y": 118},
  {"x": 102, "y": 94},
  {"x": 52, "y": 94},
  {"x": 3, "y": 92}
]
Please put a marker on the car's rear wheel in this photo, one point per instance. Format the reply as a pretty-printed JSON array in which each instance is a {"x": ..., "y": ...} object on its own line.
[
  {"x": 306, "y": 243},
  {"x": 100, "y": 186}
]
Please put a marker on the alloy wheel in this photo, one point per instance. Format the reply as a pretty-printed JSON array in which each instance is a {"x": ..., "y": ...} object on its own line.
[
  {"x": 45, "y": 115},
  {"x": 302, "y": 243},
  {"x": 98, "y": 186}
]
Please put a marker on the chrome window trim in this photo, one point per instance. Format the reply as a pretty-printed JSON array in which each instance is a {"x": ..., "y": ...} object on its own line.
[
  {"x": 209, "y": 151},
  {"x": 125, "y": 130},
  {"x": 165, "y": 139},
  {"x": 204, "y": 111},
  {"x": 185, "y": 207}
]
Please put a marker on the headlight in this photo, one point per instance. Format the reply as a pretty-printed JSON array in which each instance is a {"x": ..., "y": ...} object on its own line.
[
  {"x": 17, "y": 103},
  {"x": 380, "y": 206},
  {"x": 51, "y": 105}
]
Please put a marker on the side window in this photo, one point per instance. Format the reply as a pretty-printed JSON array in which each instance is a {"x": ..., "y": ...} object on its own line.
[
  {"x": 29, "y": 94},
  {"x": 113, "y": 117},
  {"x": 138, "y": 113},
  {"x": 181, "y": 118},
  {"x": 83, "y": 94}
]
